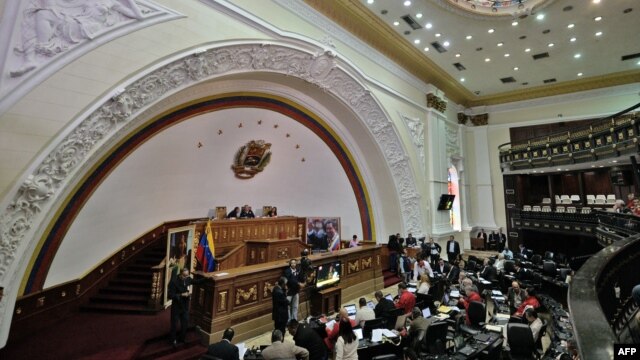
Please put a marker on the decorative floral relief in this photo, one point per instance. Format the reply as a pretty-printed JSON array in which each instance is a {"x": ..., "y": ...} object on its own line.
[
  {"x": 416, "y": 128},
  {"x": 22, "y": 217}
]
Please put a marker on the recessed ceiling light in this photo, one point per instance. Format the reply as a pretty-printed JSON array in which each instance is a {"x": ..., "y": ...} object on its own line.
[
  {"x": 599, "y": 33},
  {"x": 506, "y": 55},
  {"x": 577, "y": 56},
  {"x": 559, "y": 169},
  {"x": 396, "y": 23},
  {"x": 490, "y": 31},
  {"x": 551, "y": 44},
  {"x": 540, "y": 16},
  {"x": 500, "y": 44},
  {"x": 469, "y": 37},
  {"x": 428, "y": 26},
  {"x": 419, "y": 15},
  {"x": 461, "y": 79},
  {"x": 614, "y": 161},
  {"x": 638, "y": 63},
  {"x": 407, "y": 3},
  {"x": 446, "y": 43},
  {"x": 515, "y": 23},
  {"x": 426, "y": 49},
  {"x": 487, "y": 60},
  {"x": 570, "y": 26},
  {"x": 597, "y": 18},
  {"x": 438, "y": 34},
  {"x": 516, "y": 68},
  {"x": 580, "y": 74},
  {"x": 596, "y": 1},
  {"x": 572, "y": 39},
  {"x": 369, "y": 1},
  {"x": 457, "y": 55},
  {"x": 527, "y": 50},
  {"x": 416, "y": 41}
]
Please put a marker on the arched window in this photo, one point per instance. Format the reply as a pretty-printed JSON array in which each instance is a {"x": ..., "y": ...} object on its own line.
[{"x": 454, "y": 189}]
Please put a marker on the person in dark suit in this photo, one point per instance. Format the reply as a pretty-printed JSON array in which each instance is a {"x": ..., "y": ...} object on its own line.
[
  {"x": 483, "y": 235},
  {"x": 235, "y": 213},
  {"x": 441, "y": 267},
  {"x": 433, "y": 250},
  {"x": 453, "y": 249},
  {"x": 224, "y": 349},
  {"x": 493, "y": 240},
  {"x": 247, "y": 213},
  {"x": 523, "y": 252},
  {"x": 385, "y": 307},
  {"x": 515, "y": 296},
  {"x": 410, "y": 241},
  {"x": 489, "y": 272},
  {"x": 305, "y": 337},
  {"x": 394, "y": 249},
  {"x": 280, "y": 310},
  {"x": 178, "y": 291},
  {"x": 454, "y": 272},
  {"x": 502, "y": 240},
  {"x": 294, "y": 278}
]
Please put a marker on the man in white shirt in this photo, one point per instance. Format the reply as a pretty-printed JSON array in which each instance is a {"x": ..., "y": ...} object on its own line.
[
  {"x": 421, "y": 267},
  {"x": 364, "y": 313},
  {"x": 534, "y": 323}
]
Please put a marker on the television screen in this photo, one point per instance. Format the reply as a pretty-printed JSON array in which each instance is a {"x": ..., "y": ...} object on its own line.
[
  {"x": 328, "y": 274},
  {"x": 446, "y": 202}
]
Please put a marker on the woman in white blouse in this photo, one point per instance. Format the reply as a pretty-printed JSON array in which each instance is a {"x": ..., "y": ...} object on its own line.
[
  {"x": 425, "y": 284},
  {"x": 347, "y": 343}
]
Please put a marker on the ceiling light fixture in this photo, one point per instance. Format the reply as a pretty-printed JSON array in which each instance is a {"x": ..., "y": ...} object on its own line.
[
  {"x": 516, "y": 68},
  {"x": 527, "y": 50},
  {"x": 570, "y": 26},
  {"x": 597, "y": 18},
  {"x": 426, "y": 49},
  {"x": 596, "y": 1},
  {"x": 540, "y": 16},
  {"x": 572, "y": 39},
  {"x": 551, "y": 44},
  {"x": 428, "y": 26},
  {"x": 438, "y": 34},
  {"x": 419, "y": 15},
  {"x": 369, "y": 1},
  {"x": 457, "y": 55},
  {"x": 506, "y": 55},
  {"x": 490, "y": 31},
  {"x": 577, "y": 56},
  {"x": 515, "y": 23},
  {"x": 638, "y": 63},
  {"x": 461, "y": 79},
  {"x": 416, "y": 41},
  {"x": 487, "y": 60},
  {"x": 446, "y": 43},
  {"x": 599, "y": 33},
  {"x": 469, "y": 37},
  {"x": 396, "y": 23},
  {"x": 407, "y": 3},
  {"x": 500, "y": 44},
  {"x": 579, "y": 74}
]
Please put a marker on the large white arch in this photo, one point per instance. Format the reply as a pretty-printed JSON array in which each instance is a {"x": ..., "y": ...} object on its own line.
[{"x": 29, "y": 206}]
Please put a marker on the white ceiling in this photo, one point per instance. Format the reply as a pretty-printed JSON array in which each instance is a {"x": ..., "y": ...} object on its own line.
[{"x": 589, "y": 55}]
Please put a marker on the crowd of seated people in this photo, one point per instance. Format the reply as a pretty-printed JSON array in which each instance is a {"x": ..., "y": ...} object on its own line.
[{"x": 246, "y": 212}]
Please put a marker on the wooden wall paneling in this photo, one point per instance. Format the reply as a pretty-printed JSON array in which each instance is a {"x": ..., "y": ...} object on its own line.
[{"x": 570, "y": 185}]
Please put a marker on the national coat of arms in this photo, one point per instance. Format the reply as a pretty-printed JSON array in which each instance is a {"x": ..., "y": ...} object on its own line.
[{"x": 251, "y": 159}]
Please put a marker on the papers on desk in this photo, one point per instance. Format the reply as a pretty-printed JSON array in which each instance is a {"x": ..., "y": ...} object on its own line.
[
  {"x": 241, "y": 350},
  {"x": 494, "y": 328},
  {"x": 377, "y": 334},
  {"x": 442, "y": 316},
  {"x": 503, "y": 316},
  {"x": 330, "y": 325},
  {"x": 455, "y": 308},
  {"x": 221, "y": 274},
  {"x": 444, "y": 309},
  {"x": 454, "y": 293},
  {"x": 496, "y": 292},
  {"x": 412, "y": 289},
  {"x": 352, "y": 317},
  {"x": 358, "y": 333}
]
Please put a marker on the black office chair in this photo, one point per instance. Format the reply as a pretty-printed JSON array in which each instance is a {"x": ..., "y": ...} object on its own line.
[
  {"x": 435, "y": 341},
  {"x": 416, "y": 346},
  {"x": 562, "y": 274},
  {"x": 521, "y": 342},
  {"x": 471, "y": 266},
  {"x": 427, "y": 301},
  {"x": 548, "y": 255},
  {"x": 509, "y": 266},
  {"x": 536, "y": 259},
  {"x": 477, "y": 313},
  {"x": 369, "y": 325},
  {"x": 392, "y": 317},
  {"x": 549, "y": 268}
]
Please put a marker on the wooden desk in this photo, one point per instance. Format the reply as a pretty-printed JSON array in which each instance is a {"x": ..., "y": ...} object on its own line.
[
  {"x": 477, "y": 244},
  {"x": 241, "y": 297},
  {"x": 263, "y": 251}
]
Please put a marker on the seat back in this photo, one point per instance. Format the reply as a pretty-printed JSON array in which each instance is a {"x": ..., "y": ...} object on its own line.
[
  {"x": 546, "y": 200},
  {"x": 562, "y": 273},
  {"x": 575, "y": 198},
  {"x": 477, "y": 313},
  {"x": 526, "y": 208},
  {"x": 571, "y": 209},
  {"x": 471, "y": 265},
  {"x": 536, "y": 259},
  {"x": 369, "y": 325},
  {"x": 546, "y": 208},
  {"x": 559, "y": 209},
  {"x": 586, "y": 210},
  {"x": 509, "y": 266},
  {"x": 549, "y": 268},
  {"x": 536, "y": 208},
  {"x": 417, "y": 342},
  {"x": 548, "y": 255},
  {"x": 436, "y": 338},
  {"x": 520, "y": 339}
]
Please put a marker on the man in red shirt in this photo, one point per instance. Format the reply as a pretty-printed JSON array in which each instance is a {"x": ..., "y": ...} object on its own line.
[
  {"x": 332, "y": 335},
  {"x": 471, "y": 295},
  {"x": 407, "y": 300},
  {"x": 531, "y": 301}
]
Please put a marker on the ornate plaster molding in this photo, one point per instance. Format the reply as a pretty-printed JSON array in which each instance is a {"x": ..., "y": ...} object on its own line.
[
  {"x": 416, "y": 129},
  {"x": 24, "y": 217},
  {"x": 452, "y": 140},
  {"x": 479, "y": 10},
  {"x": 40, "y": 37},
  {"x": 436, "y": 102}
]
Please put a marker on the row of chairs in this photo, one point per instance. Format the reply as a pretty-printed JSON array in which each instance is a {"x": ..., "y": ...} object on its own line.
[
  {"x": 559, "y": 209},
  {"x": 591, "y": 199}
]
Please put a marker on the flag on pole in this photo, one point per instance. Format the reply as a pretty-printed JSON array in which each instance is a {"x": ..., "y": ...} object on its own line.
[{"x": 206, "y": 250}]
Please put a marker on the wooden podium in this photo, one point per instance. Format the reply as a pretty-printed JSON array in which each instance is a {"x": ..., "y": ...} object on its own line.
[{"x": 326, "y": 301}]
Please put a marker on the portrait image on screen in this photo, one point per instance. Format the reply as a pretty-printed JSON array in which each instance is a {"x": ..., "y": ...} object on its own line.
[
  {"x": 446, "y": 202},
  {"x": 328, "y": 275},
  {"x": 323, "y": 233}
]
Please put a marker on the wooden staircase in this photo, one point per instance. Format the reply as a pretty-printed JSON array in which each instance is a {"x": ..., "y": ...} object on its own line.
[{"x": 129, "y": 292}]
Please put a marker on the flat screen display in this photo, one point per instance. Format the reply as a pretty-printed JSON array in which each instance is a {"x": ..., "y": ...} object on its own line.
[
  {"x": 328, "y": 274},
  {"x": 446, "y": 202}
]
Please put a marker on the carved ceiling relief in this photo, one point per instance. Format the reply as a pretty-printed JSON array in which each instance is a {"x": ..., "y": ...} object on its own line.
[
  {"x": 416, "y": 129},
  {"x": 476, "y": 120},
  {"x": 452, "y": 140},
  {"x": 22, "y": 218},
  {"x": 437, "y": 103}
]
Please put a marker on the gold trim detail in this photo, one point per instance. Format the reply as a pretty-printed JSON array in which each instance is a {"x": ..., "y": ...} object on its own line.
[{"x": 251, "y": 293}]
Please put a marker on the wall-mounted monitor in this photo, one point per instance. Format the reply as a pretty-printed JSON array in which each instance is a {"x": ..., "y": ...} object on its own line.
[
  {"x": 328, "y": 274},
  {"x": 446, "y": 202}
]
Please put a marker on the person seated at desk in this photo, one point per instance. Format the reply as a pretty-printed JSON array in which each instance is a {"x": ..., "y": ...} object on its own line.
[
  {"x": 534, "y": 323},
  {"x": 418, "y": 324},
  {"x": 224, "y": 349},
  {"x": 332, "y": 335},
  {"x": 234, "y": 213},
  {"x": 384, "y": 307},
  {"x": 522, "y": 253},
  {"x": 421, "y": 267},
  {"x": 500, "y": 263},
  {"x": 471, "y": 294},
  {"x": 530, "y": 302},
  {"x": 307, "y": 338},
  {"x": 246, "y": 213},
  {"x": 441, "y": 268},
  {"x": 354, "y": 241},
  {"x": 410, "y": 241},
  {"x": 347, "y": 342},
  {"x": 520, "y": 272},
  {"x": 454, "y": 272},
  {"x": 508, "y": 254},
  {"x": 406, "y": 300},
  {"x": 364, "y": 313},
  {"x": 424, "y": 285},
  {"x": 489, "y": 272},
  {"x": 283, "y": 350},
  {"x": 515, "y": 296},
  {"x": 460, "y": 280},
  {"x": 273, "y": 212}
]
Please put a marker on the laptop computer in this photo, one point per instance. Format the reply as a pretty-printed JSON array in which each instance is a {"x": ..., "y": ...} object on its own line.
[
  {"x": 389, "y": 297},
  {"x": 426, "y": 313},
  {"x": 351, "y": 309},
  {"x": 371, "y": 305}
]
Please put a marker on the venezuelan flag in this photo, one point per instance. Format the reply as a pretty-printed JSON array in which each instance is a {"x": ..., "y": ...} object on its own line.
[{"x": 206, "y": 250}]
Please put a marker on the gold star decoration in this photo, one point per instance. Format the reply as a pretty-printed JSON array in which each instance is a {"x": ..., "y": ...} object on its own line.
[
  {"x": 275, "y": 126},
  {"x": 288, "y": 135},
  {"x": 219, "y": 132},
  {"x": 297, "y": 146},
  {"x": 240, "y": 125},
  {"x": 200, "y": 145},
  {"x": 303, "y": 160},
  {"x": 259, "y": 122}
]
